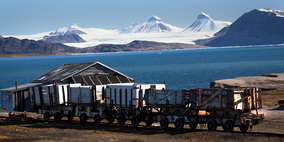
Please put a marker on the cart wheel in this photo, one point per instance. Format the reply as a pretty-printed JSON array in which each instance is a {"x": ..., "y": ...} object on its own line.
[
  {"x": 212, "y": 125},
  {"x": 57, "y": 117},
  {"x": 193, "y": 125},
  {"x": 109, "y": 117},
  {"x": 121, "y": 120},
  {"x": 83, "y": 118},
  {"x": 70, "y": 117},
  {"x": 97, "y": 119},
  {"x": 164, "y": 123},
  {"x": 250, "y": 128},
  {"x": 149, "y": 122},
  {"x": 244, "y": 128},
  {"x": 46, "y": 116},
  {"x": 179, "y": 123},
  {"x": 135, "y": 121},
  {"x": 110, "y": 120},
  {"x": 229, "y": 126}
]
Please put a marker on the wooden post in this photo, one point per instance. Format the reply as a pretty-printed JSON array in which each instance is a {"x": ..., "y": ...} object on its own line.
[{"x": 16, "y": 83}]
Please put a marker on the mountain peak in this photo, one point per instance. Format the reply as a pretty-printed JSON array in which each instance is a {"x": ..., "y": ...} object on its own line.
[
  {"x": 73, "y": 29},
  {"x": 74, "y": 26},
  {"x": 204, "y": 23},
  {"x": 203, "y": 15},
  {"x": 153, "y": 25},
  {"x": 154, "y": 19}
]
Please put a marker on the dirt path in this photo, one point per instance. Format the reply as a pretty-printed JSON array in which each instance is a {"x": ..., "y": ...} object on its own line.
[{"x": 273, "y": 114}]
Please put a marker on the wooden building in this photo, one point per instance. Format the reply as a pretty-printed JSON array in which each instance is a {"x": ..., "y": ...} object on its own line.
[
  {"x": 94, "y": 73},
  {"x": 19, "y": 98}
]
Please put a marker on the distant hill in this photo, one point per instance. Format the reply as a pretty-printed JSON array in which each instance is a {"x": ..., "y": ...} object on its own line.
[
  {"x": 11, "y": 45},
  {"x": 257, "y": 27},
  {"x": 138, "y": 46}
]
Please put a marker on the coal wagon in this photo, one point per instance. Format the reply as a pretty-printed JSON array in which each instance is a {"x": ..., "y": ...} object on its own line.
[{"x": 228, "y": 108}]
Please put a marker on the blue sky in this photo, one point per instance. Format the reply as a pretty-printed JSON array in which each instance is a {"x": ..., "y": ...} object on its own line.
[{"x": 21, "y": 17}]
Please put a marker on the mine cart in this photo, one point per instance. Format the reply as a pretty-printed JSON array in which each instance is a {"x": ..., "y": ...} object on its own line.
[
  {"x": 172, "y": 106},
  {"x": 127, "y": 101},
  {"x": 70, "y": 100},
  {"x": 49, "y": 99},
  {"x": 214, "y": 107},
  {"x": 226, "y": 107},
  {"x": 87, "y": 101}
]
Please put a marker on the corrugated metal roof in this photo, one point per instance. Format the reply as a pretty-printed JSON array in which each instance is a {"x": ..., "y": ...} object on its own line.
[
  {"x": 66, "y": 71},
  {"x": 20, "y": 87}
]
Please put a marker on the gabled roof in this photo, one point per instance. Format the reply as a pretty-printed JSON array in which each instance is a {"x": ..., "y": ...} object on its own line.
[{"x": 67, "y": 71}]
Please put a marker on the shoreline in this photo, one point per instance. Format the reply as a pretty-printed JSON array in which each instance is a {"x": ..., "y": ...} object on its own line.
[
  {"x": 193, "y": 48},
  {"x": 37, "y": 55}
]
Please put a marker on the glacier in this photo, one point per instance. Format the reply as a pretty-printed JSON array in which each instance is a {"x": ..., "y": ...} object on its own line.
[{"x": 154, "y": 29}]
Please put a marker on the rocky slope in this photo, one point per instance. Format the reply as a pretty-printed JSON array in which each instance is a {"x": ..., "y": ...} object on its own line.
[
  {"x": 66, "y": 38},
  {"x": 13, "y": 45},
  {"x": 257, "y": 27}
]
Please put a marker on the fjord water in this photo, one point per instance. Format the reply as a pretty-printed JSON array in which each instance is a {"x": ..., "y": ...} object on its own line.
[{"x": 181, "y": 69}]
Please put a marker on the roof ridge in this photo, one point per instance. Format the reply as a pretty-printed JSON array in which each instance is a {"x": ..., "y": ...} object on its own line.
[{"x": 79, "y": 63}]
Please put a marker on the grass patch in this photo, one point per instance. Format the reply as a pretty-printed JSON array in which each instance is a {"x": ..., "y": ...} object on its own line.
[{"x": 271, "y": 97}]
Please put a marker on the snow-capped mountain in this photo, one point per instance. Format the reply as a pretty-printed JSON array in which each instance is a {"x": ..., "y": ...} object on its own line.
[
  {"x": 152, "y": 30},
  {"x": 256, "y": 27},
  {"x": 205, "y": 23},
  {"x": 153, "y": 25},
  {"x": 74, "y": 29}
]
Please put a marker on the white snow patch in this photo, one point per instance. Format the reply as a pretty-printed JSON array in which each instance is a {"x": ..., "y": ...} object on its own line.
[
  {"x": 279, "y": 13},
  {"x": 38, "y": 36}
]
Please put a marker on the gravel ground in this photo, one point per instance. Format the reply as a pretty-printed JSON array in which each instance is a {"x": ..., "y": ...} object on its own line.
[{"x": 272, "y": 129}]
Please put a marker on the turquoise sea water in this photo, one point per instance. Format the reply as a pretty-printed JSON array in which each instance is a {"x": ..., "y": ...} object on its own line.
[{"x": 181, "y": 69}]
